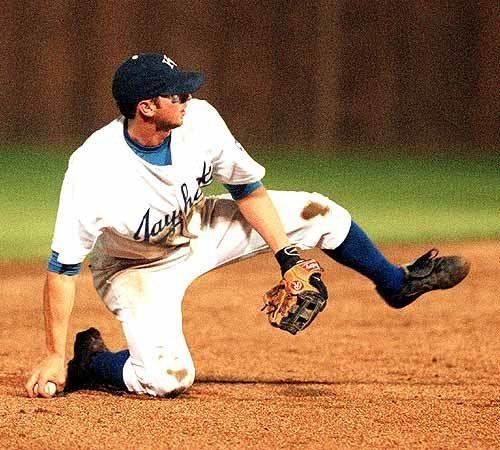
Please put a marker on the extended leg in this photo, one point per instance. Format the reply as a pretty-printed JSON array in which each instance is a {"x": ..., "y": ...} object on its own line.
[{"x": 312, "y": 220}]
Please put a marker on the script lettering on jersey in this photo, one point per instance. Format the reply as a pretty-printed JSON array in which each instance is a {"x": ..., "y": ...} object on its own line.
[
  {"x": 171, "y": 220},
  {"x": 204, "y": 180},
  {"x": 166, "y": 226}
]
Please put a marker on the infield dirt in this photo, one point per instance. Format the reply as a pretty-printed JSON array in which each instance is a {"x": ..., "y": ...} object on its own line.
[{"x": 363, "y": 376}]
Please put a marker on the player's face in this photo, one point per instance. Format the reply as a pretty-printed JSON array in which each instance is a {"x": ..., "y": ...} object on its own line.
[{"x": 170, "y": 111}]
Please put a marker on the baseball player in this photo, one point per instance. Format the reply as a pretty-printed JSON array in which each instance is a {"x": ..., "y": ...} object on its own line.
[{"x": 133, "y": 196}]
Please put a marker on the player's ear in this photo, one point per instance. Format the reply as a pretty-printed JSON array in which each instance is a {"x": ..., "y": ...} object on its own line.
[{"x": 146, "y": 108}]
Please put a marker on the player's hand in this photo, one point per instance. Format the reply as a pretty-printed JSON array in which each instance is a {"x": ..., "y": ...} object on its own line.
[
  {"x": 300, "y": 296},
  {"x": 50, "y": 369}
]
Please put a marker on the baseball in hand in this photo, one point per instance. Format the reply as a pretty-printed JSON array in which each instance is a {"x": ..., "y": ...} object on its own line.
[{"x": 50, "y": 388}]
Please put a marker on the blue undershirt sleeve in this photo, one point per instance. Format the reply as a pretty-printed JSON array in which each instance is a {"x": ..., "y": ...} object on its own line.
[
  {"x": 239, "y": 191},
  {"x": 63, "y": 269}
]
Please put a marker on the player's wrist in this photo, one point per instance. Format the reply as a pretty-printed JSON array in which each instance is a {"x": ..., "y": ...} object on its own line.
[{"x": 287, "y": 257}]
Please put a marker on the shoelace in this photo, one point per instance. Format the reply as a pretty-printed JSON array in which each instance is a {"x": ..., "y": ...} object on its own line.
[{"x": 423, "y": 265}]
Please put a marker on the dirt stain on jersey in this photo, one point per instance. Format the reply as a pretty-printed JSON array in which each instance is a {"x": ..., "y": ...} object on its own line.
[
  {"x": 178, "y": 374},
  {"x": 314, "y": 209}
]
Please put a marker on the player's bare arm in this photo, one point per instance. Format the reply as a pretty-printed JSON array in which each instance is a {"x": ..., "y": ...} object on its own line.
[
  {"x": 261, "y": 214},
  {"x": 58, "y": 300},
  {"x": 300, "y": 296}
]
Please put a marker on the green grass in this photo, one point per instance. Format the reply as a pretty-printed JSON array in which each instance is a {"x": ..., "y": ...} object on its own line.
[
  {"x": 393, "y": 199},
  {"x": 29, "y": 198},
  {"x": 401, "y": 199}
]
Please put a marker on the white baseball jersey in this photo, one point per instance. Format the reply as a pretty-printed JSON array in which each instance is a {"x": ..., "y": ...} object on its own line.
[{"x": 136, "y": 209}]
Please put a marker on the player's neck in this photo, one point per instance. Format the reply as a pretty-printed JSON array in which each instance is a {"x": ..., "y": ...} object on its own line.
[{"x": 145, "y": 134}]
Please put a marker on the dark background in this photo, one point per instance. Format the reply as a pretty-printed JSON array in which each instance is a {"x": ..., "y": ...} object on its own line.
[{"x": 325, "y": 74}]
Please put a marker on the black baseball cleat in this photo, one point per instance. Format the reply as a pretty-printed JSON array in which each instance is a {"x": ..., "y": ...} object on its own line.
[
  {"x": 88, "y": 343},
  {"x": 427, "y": 273}
]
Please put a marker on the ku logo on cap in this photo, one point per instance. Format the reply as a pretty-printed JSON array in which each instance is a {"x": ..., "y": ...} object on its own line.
[{"x": 166, "y": 60}]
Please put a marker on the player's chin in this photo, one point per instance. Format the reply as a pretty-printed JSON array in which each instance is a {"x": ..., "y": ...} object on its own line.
[
  {"x": 178, "y": 122},
  {"x": 164, "y": 126}
]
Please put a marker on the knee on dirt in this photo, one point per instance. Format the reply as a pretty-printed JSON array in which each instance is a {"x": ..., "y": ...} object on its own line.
[{"x": 169, "y": 378}]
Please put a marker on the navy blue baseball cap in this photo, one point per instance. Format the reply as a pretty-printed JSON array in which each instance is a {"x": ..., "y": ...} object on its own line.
[{"x": 148, "y": 75}]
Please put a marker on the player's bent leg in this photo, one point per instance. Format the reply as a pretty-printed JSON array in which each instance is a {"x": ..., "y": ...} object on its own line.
[{"x": 147, "y": 300}]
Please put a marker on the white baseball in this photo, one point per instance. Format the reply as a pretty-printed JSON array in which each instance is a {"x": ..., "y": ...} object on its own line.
[{"x": 50, "y": 388}]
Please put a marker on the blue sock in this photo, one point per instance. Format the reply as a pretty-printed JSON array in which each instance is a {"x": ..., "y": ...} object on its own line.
[
  {"x": 359, "y": 253},
  {"x": 107, "y": 368}
]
